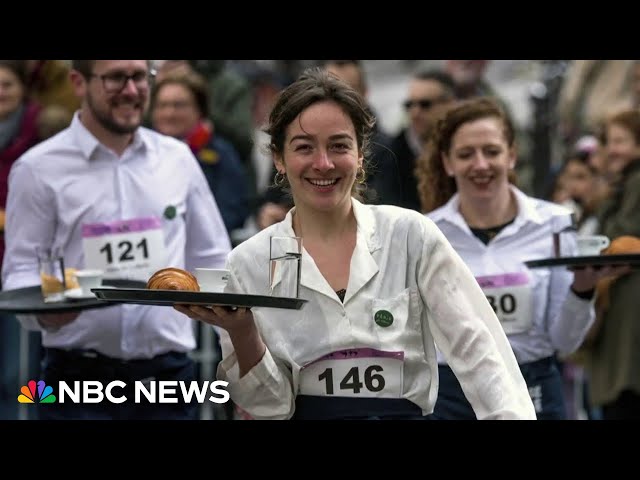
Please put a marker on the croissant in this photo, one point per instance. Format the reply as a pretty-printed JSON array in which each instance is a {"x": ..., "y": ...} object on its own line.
[
  {"x": 173, "y": 279},
  {"x": 623, "y": 244}
]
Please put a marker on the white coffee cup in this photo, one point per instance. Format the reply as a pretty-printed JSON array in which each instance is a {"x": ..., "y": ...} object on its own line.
[
  {"x": 589, "y": 245},
  {"x": 88, "y": 279},
  {"x": 212, "y": 279}
]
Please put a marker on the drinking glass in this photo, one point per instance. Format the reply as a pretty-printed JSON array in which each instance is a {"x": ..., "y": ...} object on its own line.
[
  {"x": 52, "y": 279},
  {"x": 285, "y": 260}
]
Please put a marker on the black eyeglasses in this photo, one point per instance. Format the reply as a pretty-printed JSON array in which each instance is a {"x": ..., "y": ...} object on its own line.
[
  {"x": 115, "y": 82},
  {"x": 424, "y": 104}
]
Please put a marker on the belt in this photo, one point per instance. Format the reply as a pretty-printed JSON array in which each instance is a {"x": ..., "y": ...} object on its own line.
[{"x": 90, "y": 354}]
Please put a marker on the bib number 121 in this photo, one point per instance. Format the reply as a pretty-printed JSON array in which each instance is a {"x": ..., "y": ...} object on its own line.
[{"x": 125, "y": 251}]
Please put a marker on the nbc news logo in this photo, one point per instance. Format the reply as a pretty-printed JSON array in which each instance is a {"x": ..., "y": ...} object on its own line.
[
  {"x": 91, "y": 391},
  {"x": 40, "y": 393}
]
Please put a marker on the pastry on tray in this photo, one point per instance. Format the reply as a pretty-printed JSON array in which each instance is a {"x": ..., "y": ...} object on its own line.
[{"x": 173, "y": 279}]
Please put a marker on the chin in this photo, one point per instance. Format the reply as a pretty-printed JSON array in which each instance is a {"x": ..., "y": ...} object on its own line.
[
  {"x": 324, "y": 204},
  {"x": 481, "y": 195}
]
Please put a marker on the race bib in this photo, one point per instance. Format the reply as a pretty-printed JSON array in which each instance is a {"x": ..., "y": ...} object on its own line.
[
  {"x": 359, "y": 372},
  {"x": 510, "y": 297},
  {"x": 131, "y": 249}
]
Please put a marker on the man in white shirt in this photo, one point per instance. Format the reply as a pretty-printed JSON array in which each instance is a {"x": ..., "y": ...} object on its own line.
[{"x": 112, "y": 195}]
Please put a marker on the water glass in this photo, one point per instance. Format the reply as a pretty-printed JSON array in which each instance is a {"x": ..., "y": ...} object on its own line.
[
  {"x": 52, "y": 279},
  {"x": 285, "y": 261},
  {"x": 563, "y": 230}
]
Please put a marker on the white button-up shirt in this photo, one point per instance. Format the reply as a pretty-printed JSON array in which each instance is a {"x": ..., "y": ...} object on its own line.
[
  {"x": 401, "y": 264},
  {"x": 71, "y": 181},
  {"x": 559, "y": 318}
]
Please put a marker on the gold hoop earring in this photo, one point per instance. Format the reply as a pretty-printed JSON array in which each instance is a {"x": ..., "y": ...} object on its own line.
[
  {"x": 278, "y": 179},
  {"x": 361, "y": 175}
]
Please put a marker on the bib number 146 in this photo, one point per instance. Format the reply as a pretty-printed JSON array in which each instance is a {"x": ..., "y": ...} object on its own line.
[
  {"x": 365, "y": 376},
  {"x": 373, "y": 380}
]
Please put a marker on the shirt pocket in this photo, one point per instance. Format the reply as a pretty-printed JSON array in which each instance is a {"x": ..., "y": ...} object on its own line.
[{"x": 395, "y": 318}]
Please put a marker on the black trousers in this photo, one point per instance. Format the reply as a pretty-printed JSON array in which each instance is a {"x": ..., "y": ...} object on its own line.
[{"x": 543, "y": 380}]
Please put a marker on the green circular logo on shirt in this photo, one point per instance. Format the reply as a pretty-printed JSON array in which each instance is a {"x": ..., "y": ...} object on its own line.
[
  {"x": 383, "y": 318},
  {"x": 170, "y": 212}
]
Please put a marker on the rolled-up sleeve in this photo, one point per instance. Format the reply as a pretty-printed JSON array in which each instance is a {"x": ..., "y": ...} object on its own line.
[{"x": 266, "y": 391}]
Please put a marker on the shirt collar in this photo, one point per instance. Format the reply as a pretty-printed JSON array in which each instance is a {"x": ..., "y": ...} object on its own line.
[
  {"x": 88, "y": 143},
  {"x": 367, "y": 242},
  {"x": 365, "y": 220},
  {"x": 527, "y": 212}
]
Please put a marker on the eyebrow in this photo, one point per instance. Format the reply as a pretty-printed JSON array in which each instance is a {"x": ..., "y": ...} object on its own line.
[
  {"x": 119, "y": 71},
  {"x": 338, "y": 136}
]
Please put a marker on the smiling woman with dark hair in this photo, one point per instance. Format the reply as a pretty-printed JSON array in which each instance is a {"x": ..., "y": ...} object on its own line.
[{"x": 382, "y": 285}]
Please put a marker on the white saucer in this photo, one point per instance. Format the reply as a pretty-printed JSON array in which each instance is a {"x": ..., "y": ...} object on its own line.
[{"x": 76, "y": 294}]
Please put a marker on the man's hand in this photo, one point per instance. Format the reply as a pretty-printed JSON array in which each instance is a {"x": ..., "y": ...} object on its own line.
[
  {"x": 586, "y": 279},
  {"x": 57, "y": 320}
]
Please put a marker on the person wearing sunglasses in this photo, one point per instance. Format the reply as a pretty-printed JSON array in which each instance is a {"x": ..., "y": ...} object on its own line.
[
  {"x": 112, "y": 195},
  {"x": 426, "y": 90}
]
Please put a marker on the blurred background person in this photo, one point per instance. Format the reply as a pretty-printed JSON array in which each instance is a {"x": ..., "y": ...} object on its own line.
[
  {"x": 180, "y": 108},
  {"x": 18, "y": 132},
  {"x": 591, "y": 91},
  {"x": 383, "y": 180},
  {"x": 469, "y": 78},
  {"x": 230, "y": 102},
  {"x": 49, "y": 85},
  {"x": 613, "y": 344},
  {"x": 426, "y": 89},
  {"x": 581, "y": 187}
]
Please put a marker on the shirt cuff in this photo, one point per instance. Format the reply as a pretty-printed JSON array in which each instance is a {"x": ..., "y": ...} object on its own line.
[
  {"x": 587, "y": 295},
  {"x": 262, "y": 391}
]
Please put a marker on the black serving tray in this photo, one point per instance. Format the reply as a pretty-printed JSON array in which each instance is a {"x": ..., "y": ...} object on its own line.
[
  {"x": 145, "y": 296},
  {"x": 29, "y": 299},
  {"x": 632, "y": 259}
]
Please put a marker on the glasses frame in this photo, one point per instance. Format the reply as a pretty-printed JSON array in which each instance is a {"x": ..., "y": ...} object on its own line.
[{"x": 149, "y": 78}]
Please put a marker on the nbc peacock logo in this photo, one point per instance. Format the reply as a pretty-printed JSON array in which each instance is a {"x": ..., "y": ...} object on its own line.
[{"x": 44, "y": 393}]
